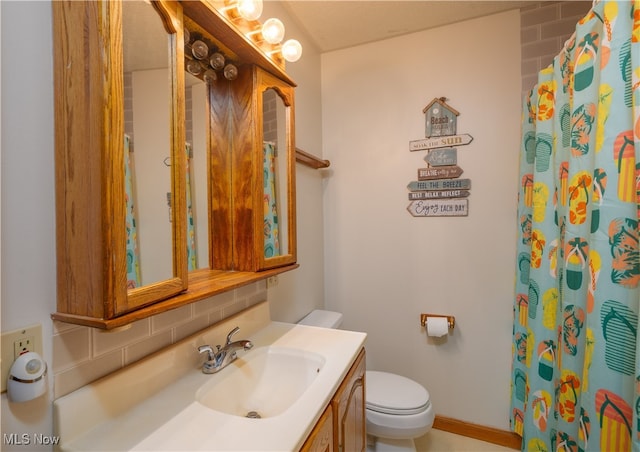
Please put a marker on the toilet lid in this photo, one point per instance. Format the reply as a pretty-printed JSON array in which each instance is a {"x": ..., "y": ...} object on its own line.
[{"x": 394, "y": 394}]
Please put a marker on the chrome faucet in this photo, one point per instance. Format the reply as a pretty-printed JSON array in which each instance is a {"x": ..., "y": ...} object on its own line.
[{"x": 223, "y": 356}]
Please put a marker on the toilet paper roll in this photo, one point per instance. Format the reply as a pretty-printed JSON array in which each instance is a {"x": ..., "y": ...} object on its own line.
[{"x": 437, "y": 326}]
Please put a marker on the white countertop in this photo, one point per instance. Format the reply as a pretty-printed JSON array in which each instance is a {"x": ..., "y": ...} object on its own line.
[{"x": 151, "y": 405}]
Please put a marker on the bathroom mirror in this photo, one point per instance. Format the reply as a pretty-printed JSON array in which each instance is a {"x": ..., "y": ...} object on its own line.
[
  {"x": 196, "y": 130},
  {"x": 147, "y": 144},
  {"x": 153, "y": 165},
  {"x": 274, "y": 175},
  {"x": 278, "y": 173}
]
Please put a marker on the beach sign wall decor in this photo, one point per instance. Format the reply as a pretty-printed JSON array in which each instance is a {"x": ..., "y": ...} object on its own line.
[{"x": 439, "y": 192}]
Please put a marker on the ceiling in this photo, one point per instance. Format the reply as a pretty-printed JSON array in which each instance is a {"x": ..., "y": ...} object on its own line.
[{"x": 337, "y": 24}]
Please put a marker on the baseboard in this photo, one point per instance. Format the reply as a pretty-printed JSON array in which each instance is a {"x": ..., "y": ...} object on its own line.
[{"x": 481, "y": 432}]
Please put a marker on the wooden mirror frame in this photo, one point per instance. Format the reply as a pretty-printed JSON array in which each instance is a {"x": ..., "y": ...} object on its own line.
[
  {"x": 89, "y": 133},
  {"x": 263, "y": 82},
  {"x": 91, "y": 253}
]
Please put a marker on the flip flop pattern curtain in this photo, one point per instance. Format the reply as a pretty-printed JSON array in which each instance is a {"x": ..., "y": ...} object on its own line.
[
  {"x": 576, "y": 377},
  {"x": 271, "y": 233},
  {"x": 192, "y": 257},
  {"x": 133, "y": 252}
]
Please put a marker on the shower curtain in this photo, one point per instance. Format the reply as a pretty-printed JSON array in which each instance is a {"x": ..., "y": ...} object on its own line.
[
  {"x": 271, "y": 233},
  {"x": 576, "y": 375},
  {"x": 133, "y": 252},
  {"x": 192, "y": 257}
]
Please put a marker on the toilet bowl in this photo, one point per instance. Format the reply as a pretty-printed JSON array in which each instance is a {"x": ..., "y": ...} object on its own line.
[{"x": 398, "y": 409}]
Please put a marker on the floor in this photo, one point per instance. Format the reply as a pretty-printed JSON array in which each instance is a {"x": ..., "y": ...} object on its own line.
[{"x": 441, "y": 441}]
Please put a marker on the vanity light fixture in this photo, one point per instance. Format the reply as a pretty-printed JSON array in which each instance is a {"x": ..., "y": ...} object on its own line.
[
  {"x": 203, "y": 59},
  {"x": 266, "y": 36}
]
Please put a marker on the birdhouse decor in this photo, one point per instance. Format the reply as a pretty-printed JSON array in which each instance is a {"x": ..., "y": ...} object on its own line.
[
  {"x": 439, "y": 191},
  {"x": 440, "y": 119}
]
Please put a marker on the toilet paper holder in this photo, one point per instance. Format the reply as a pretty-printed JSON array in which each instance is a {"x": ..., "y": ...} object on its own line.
[{"x": 451, "y": 320}]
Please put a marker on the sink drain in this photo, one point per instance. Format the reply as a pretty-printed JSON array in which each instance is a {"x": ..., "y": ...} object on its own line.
[{"x": 253, "y": 415}]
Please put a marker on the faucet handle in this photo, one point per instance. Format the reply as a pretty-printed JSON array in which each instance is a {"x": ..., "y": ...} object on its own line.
[
  {"x": 231, "y": 333},
  {"x": 208, "y": 350}
]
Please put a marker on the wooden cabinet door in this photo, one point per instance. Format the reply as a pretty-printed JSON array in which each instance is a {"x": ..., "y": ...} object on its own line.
[
  {"x": 349, "y": 408},
  {"x": 321, "y": 437}
]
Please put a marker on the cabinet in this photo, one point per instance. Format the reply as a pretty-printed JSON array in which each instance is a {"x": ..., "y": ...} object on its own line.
[
  {"x": 346, "y": 412},
  {"x": 349, "y": 407},
  {"x": 91, "y": 41},
  {"x": 321, "y": 437},
  {"x": 251, "y": 140}
]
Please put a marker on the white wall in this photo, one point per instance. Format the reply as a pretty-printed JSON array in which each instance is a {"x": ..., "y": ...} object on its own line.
[
  {"x": 28, "y": 218},
  {"x": 302, "y": 290},
  {"x": 384, "y": 267}
]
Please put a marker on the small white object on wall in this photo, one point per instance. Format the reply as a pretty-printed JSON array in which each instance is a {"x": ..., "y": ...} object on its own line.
[{"x": 27, "y": 378}]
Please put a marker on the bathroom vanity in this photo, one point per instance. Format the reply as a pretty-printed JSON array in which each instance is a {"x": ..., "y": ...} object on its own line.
[{"x": 299, "y": 388}]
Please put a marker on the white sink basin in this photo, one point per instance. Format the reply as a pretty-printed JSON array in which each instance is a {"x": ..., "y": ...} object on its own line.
[
  {"x": 263, "y": 383},
  {"x": 166, "y": 403}
]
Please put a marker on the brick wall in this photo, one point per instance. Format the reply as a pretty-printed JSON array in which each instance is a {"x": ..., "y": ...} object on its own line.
[{"x": 544, "y": 28}]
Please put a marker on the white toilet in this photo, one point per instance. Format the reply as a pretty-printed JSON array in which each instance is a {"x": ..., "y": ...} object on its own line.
[{"x": 397, "y": 408}]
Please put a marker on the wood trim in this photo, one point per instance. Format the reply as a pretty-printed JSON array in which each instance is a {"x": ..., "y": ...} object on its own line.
[
  {"x": 202, "y": 284},
  {"x": 480, "y": 432},
  {"x": 311, "y": 160}
]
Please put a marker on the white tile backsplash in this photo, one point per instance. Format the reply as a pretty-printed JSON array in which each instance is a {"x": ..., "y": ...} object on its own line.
[
  {"x": 171, "y": 318},
  {"x": 107, "y": 341},
  {"x": 70, "y": 347},
  {"x": 82, "y": 354}
]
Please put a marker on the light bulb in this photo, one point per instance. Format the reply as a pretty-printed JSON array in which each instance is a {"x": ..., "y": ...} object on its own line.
[
  {"x": 199, "y": 49},
  {"x": 273, "y": 30},
  {"x": 217, "y": 61},
  {"x": 210, "y": 76},
  {"x": 230, "y": 72},
  {"x": 291, "y": 50},
  {"x": 193, "y": 67},
  {"x": 250, "y": 9}
]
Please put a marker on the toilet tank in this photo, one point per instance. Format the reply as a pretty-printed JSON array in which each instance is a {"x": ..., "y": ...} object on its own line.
[{"x": 324, "y": 319}]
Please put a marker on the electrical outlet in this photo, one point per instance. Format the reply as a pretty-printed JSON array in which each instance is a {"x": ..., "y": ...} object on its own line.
[
  {"x": 272, "y": 281},
  {"x": 17, "y": 342},
  {"x": 23, "y": 345}
]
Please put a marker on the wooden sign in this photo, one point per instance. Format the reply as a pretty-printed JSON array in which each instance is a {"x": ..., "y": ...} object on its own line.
[
  {"x": 437, "y": 194},
  {"x": 440, "y": 118},
  {"x": 442, "y": 172},
  {"x": 440, "y": 184},
  {"x": 442, "y": 157},
  {"x": 440, "y": 142},
  {"x": 439, "y": 208}
]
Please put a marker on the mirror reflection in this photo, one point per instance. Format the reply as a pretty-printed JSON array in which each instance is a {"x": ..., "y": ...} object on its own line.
[
  {"x": 147, "y": 145},
  {"x": 196, "y": 94},
  {"x": 275, "y": 181}
]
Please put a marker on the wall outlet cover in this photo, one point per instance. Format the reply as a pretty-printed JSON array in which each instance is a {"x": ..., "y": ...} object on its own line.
[{"x": 16, "y": 342}]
